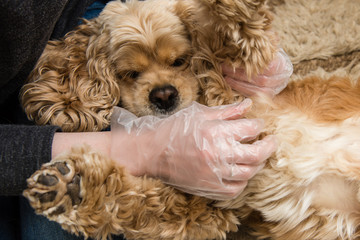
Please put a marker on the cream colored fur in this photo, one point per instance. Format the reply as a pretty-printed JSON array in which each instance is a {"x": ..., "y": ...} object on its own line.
[
  {"x": 312, "y": 182},
  {"x": 309, "y": 189}
]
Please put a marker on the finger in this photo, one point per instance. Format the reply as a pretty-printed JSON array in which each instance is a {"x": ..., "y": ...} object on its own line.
[
  {"x": 277, "y": 72},
  {"x": 231, "y": 190},
  {"x": 256, "y": 153},
  {"x": 272, "y": 80},
  {"x": 122, "y": 116},
  {"x": 229, "y": 112},
  {"x": 279, "y": 88},
  {"x": 233, "y": 72},
  {"x": 242, "y": 129},
  {"x": 248, "y": 89},
  {"x": 221, "y": 190},
  {"x": 265, "y": 79},
  {"x": 272, "y": 75},
  {"x": 249, "y": 154},
  {"x": 237, "y": 172},
  {"x": 225, "y": 190}
]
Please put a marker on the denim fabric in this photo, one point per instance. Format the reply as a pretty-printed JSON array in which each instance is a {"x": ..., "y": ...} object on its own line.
[
  {"x": 94, "y": 9},
  {"x": 36, "y": 227},
  {"x": 28, "y": 225},
  {"x": 9, "y": 218}
]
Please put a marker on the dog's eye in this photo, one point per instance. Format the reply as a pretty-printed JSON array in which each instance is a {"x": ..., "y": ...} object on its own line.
[
  {"x": 178, "y": 62},
  {"x": 133, "y": 74},
  {"x": 119, "y": 76}
]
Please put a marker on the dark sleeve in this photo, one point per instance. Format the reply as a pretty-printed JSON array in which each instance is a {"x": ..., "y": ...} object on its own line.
[
  {"x": 25, "y": 28},
  {"x": 23, "y": 150}
]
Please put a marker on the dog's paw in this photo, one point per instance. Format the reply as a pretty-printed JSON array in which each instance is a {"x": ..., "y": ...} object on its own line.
[{"x": 54, "y": 189}]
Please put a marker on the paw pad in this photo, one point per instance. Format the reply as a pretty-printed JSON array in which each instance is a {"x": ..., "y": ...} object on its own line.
[
  {"x": 54, "y": 189},
  {"x": 48, "y": 180}
]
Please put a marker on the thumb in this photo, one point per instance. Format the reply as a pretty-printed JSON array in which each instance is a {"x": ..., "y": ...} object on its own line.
[
  {"x": 121, "y": 116},
  {"x": 230, "y": 112}
]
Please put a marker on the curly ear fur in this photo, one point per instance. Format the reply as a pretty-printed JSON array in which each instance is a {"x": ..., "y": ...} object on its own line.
[
  {"x": 233, "y": 32},
  {"x": 242, "y": 29},
  {"x": 73, "y": 85}
]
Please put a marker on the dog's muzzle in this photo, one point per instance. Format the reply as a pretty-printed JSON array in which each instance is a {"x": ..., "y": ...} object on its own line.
[{"x": 165, "y": 98}]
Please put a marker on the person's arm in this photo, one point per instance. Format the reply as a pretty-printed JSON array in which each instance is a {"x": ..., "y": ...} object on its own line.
[
  {"x": 23, "y": 150},
  {"x": 205, "y": 151},
  {"x": 98, "y": 141},
  {"x": 200, "y": 150},
  {"x": 25, "y": 28}
]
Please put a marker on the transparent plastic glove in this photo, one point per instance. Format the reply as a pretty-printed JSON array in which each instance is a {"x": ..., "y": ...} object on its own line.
[
  {"x": 200, "y": 150},
  {"x": 271, "y": 82}
]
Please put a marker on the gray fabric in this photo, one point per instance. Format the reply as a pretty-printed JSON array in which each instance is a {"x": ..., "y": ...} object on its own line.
[
  {"x": 25, "y": 28},
  {"x": 23, "y": 150}
]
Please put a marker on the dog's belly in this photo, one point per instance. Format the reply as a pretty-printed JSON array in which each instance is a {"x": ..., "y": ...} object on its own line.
[
  {"x": 308, "y": 149},
  {"x": 334, "y": 192},
  {"x": 316, "y": 170},
  {"x": 314, "y": 177},
  {"x": 316, "y": 164},
  {"x": 327, "y": 157}
]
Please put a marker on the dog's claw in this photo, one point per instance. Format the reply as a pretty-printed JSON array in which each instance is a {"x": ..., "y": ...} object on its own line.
[
  {"x": 74, "y": 189},
  {"x": 54, "y": 189}
]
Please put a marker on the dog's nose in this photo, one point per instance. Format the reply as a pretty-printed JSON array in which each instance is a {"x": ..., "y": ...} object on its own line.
[{"x": 164, "y": 98}]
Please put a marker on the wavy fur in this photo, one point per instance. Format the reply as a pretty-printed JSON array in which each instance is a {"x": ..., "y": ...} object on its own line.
[
  {"x": 82, "y": 74},
  {"x": 309, "y": 188}
]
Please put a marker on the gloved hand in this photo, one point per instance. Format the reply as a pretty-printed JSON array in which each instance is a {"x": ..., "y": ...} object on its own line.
[
  {"x": 272, "y": 81},
  {"x": 200, "y": 150}
]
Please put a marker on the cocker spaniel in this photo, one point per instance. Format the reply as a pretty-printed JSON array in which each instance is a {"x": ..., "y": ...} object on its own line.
[{"x": 154, "y": 58}]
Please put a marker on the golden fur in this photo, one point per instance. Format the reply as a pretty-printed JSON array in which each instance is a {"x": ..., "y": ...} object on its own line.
[
  {"x": 77, "y": 81},
  {"x": 309, "y": 188}
]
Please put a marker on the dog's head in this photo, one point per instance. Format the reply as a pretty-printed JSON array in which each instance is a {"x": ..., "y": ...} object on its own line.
[
  {"x": 152, "y": 57},
  {"x": 155, "y": 47},
  {"x": 150, "y": 52}
]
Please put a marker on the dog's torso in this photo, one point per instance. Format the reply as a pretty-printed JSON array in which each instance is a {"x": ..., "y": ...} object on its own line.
[
  {"x": 309, "y": 189},
  {"x": 313, "y": 177}
]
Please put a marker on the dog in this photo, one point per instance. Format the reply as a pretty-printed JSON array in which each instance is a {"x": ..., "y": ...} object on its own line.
[
  {"x": 155, "y": 58},
  {"x": 109, "y": 53}
]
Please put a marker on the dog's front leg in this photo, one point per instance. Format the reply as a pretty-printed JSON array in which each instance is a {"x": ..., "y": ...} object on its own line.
[
  {"x": 76, "y": 189},
  {"x": 89, "y": 195}
]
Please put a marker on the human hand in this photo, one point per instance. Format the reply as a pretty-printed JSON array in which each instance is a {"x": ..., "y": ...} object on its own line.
[
  {"x": 272, "y": 81},
  {"x": 200, "y": 150}
]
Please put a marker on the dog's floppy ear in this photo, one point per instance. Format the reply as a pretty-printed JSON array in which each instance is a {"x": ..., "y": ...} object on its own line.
[
  {"x": 236, "y": 32},
  {"x": 240, "y": 33},
  {"x": 72, "y": 85}
]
